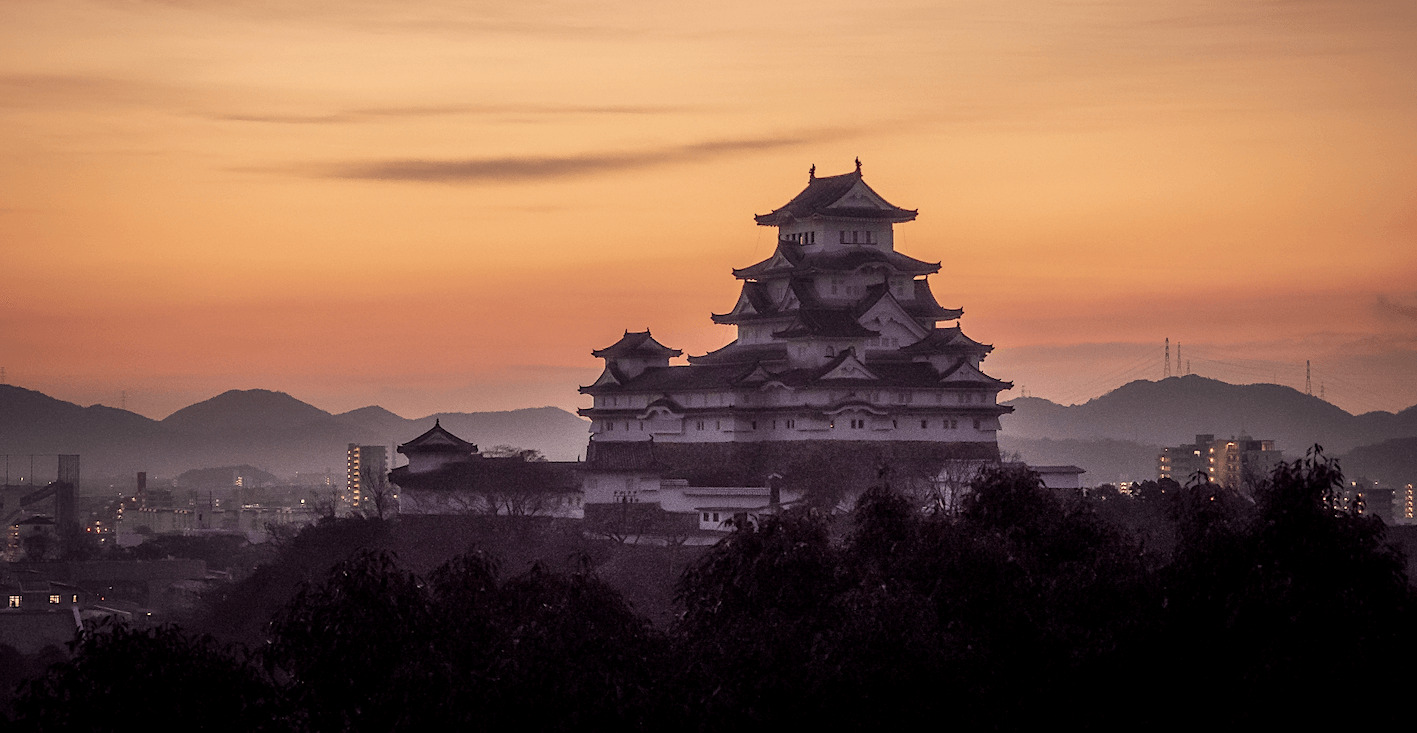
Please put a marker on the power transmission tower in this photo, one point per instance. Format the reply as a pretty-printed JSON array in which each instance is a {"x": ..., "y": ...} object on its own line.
[
  {"x": 1166, "y": 368},
  {"x": 1308, "y": 380}
]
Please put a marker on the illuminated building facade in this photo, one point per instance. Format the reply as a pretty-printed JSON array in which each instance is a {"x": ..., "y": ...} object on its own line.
[
  {"x": 1235, "y": 462},
  {"x": 840, "y": 366},
  {"x": 366, "y": 472}
]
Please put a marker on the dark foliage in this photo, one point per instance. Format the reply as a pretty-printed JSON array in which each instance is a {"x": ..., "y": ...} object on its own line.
[
  {"x": 119, "y": 677},
  {"x": 1174, "y": 607},
  {"x": 374, "y": 647},
  {"x": 240, "y": 611}
]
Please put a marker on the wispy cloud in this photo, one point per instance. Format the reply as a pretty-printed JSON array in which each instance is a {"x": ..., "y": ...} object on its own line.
[
  {"x": 1387, "y": 306},
  {"x": 412, "y": 112},
  {"x": 50, "y": 90},
  {"x": 529, "y": 168}
]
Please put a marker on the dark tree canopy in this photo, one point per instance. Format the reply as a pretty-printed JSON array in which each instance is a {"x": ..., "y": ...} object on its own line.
[{"x": 1176, "y": 606}]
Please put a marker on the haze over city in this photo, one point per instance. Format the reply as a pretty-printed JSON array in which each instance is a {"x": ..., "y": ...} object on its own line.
[{"x": 446, "y": 206}]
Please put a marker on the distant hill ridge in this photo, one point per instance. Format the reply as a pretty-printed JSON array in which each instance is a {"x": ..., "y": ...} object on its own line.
[
  {"x": 270, "y": 430},
  {"x": 1174, "y": 410},
  {"x": 1138, "y": 418},
  {"x": 1112, "y": 436}
]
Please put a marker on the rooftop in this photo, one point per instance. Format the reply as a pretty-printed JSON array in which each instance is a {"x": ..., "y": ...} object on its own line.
[{"x": 836, "y": 197}]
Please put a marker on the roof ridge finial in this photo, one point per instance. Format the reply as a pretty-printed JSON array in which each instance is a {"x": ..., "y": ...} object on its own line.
[
  {"x": 858, "y": 164},
  {"x": 812, "y": 173},
  {"x": 437, "y": 423}
]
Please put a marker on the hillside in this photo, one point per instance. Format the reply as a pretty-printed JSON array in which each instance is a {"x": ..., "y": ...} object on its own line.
[
  {"x": 270, "y": 430},
  {"x": 1119, "y": 434},
  {"x": 1392, "y": 463},
  {"x": 1173, "y": 411}
]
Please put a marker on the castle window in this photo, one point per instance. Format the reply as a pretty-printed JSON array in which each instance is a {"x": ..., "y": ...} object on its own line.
[
  {"x": 868, "y": 237},
  {"x": 699, "y": 425},
  {"x": 706, "y": 516},
  {"x": 924, "y": 424},
  {"x": 753, "y": 425},
  {"x": 976, "y": 423},
  {"x": 15, "y": 601},
  {"x": 609, "y": 427},
  {"x": 54, "y": 599},
  {"x": 842, "y": 232},
  {"x": 791, "y": 424}
]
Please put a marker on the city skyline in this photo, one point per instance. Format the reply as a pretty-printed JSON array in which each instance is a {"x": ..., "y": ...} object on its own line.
[{"x": 446, "y": 207}]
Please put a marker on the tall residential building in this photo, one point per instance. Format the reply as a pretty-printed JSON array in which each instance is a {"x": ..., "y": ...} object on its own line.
[
  {"x": 367, "y": 474},
  {"x": 1235, "y": 462},
  {"x": 1180, "y": 463},
  {"x": 840, "y": 370}
]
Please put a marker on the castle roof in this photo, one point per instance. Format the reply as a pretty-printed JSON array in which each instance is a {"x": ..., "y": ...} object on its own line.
[
  {"x": 836, "y": 197},
  {"x": 823, "y": 323},
  {"x": 946, "y": 341},
  {"x": 437, "y": 440},
  {"x": 790, "y": 259},
  {"x": 746, "y": 370},
  {"x": 636, "y": 343}
]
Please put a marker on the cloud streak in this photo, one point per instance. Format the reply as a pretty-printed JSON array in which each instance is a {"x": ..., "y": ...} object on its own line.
[
  {"x": 538, "y": 168},
  {"x": 1388, "y": 306},
  {"x": 487, "y": 110}
]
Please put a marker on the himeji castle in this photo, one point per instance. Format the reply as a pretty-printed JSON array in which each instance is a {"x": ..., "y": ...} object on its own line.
[{"x": 841, "y": 371}]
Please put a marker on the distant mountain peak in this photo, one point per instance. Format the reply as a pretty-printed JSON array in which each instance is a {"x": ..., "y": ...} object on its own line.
[
  {"x": 372, "y": 411},
  {"x": 243, "y": 409}
]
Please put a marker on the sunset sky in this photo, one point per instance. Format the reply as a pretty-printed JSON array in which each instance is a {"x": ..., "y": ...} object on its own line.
[{"x": 444, "y": 206}]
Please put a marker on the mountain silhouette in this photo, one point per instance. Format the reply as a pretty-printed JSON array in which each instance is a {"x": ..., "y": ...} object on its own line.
[
  {"x": 269, "y": 430},
  {"x": 244, "y": 410},
  {"x": 1117, "y": 436},
  {"x": 1174, "y": 410}
]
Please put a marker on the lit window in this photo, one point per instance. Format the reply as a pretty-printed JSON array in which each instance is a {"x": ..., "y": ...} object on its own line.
[
  {"x": 15, "y": 601},
  {"x": 54, "y": 599}
]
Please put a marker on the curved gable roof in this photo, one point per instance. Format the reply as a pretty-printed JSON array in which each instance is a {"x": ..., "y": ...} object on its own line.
[
  {"x": 636, "y": 343},
  {"x": 824, "y": 197}
]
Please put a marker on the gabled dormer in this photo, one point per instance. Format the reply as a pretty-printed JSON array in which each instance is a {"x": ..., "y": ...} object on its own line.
[
  {"x": 848, "y": 366},
  {"x": 882, "y": 312}
]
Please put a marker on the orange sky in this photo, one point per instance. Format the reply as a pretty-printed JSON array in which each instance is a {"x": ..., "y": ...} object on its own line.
[{"x": 446, "y": 205}]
